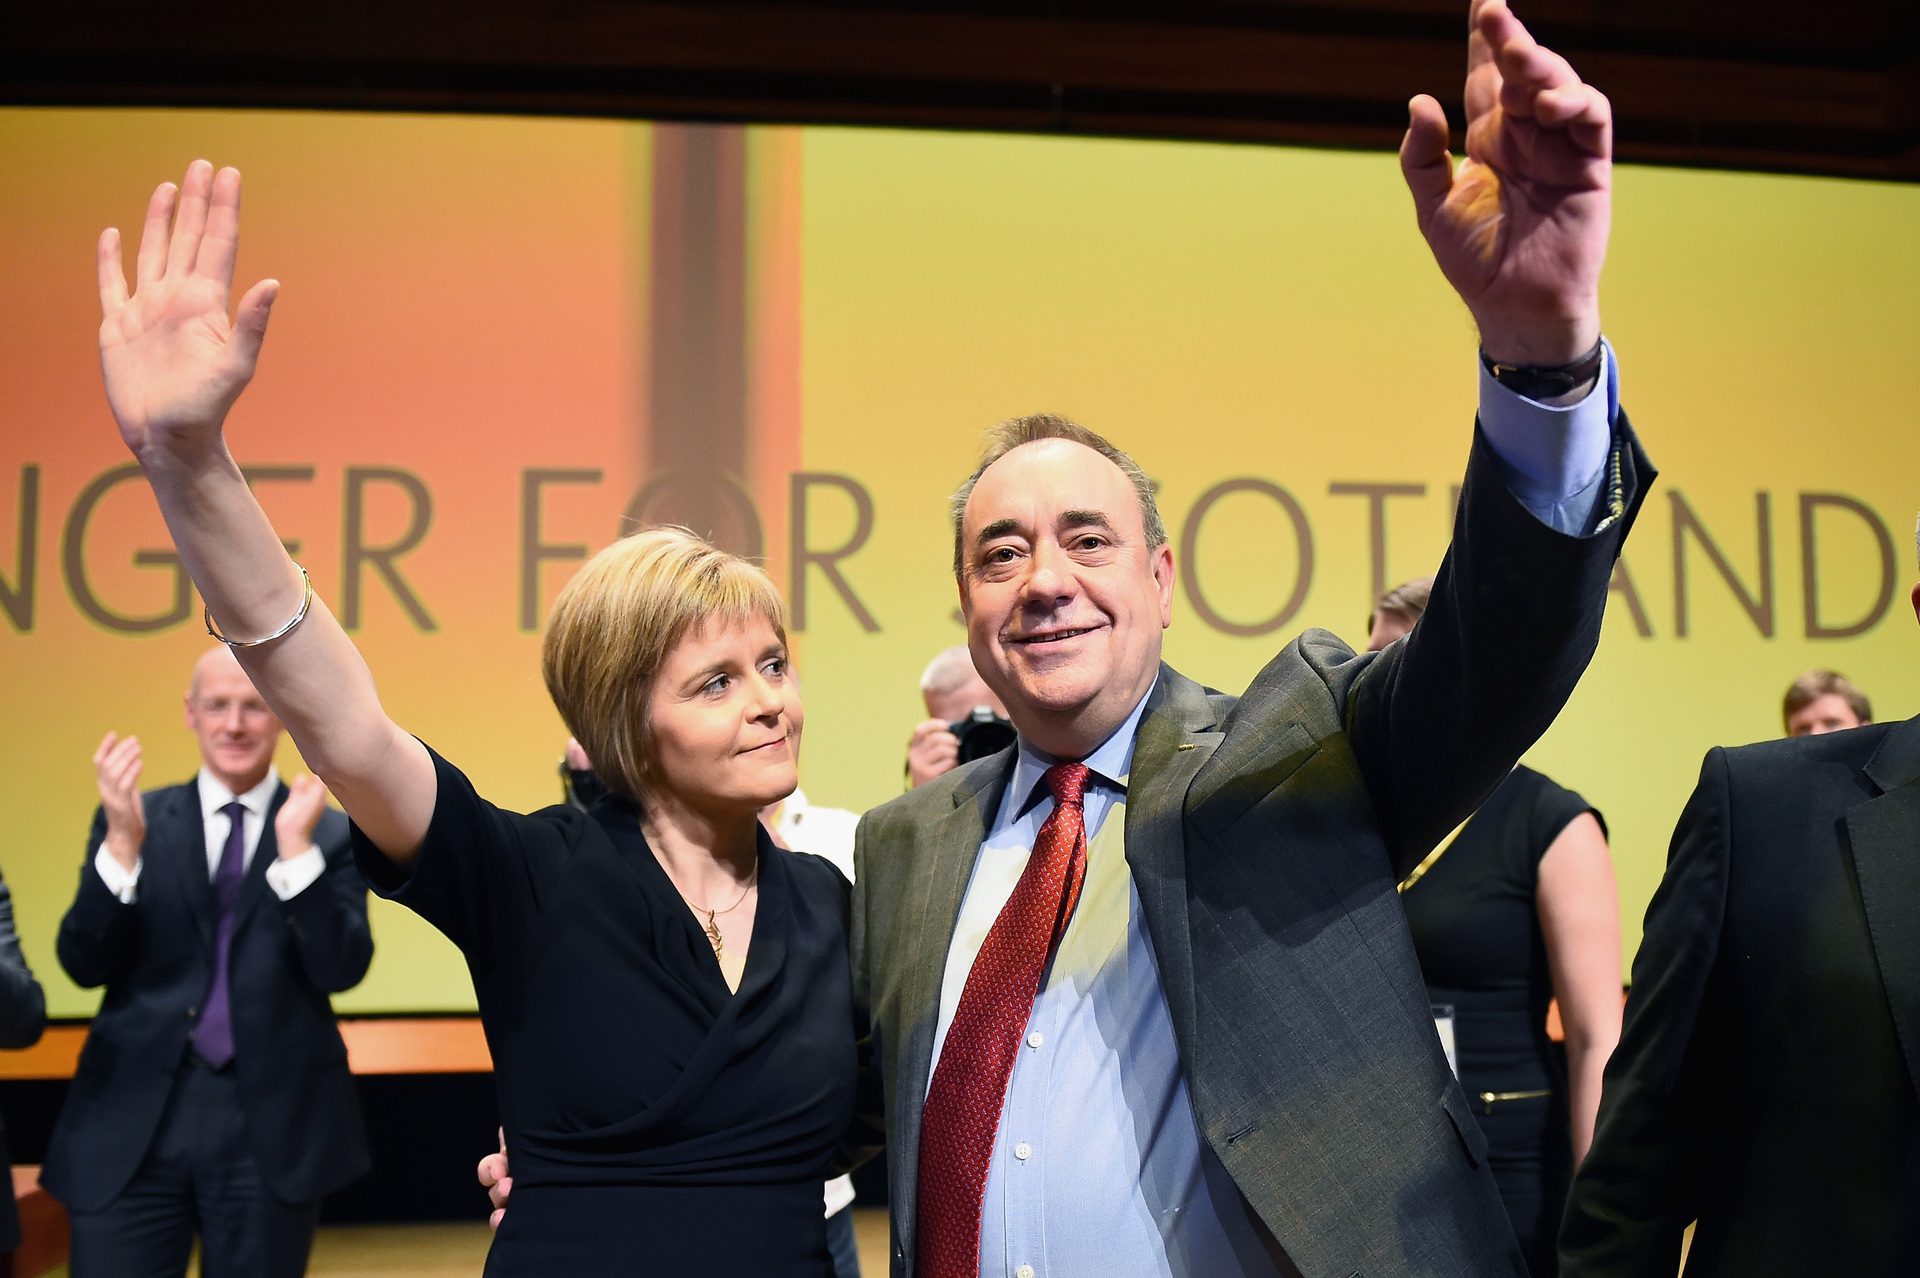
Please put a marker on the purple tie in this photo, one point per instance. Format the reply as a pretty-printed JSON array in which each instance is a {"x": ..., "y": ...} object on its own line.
[{"x": 213, "y": 1036}]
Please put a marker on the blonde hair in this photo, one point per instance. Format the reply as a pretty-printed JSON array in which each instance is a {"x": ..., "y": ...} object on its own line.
[
  {"x": 1014, "y": 433},
  {"x": 614, "y": 624}
]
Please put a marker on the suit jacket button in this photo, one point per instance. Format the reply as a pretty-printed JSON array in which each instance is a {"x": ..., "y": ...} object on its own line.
[{"x": 192, "y": 1012}]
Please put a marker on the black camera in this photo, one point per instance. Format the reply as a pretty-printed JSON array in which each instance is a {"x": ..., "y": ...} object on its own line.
[
  {"x": 579, "y": 787},
  {"x": 981, "y": 733}
]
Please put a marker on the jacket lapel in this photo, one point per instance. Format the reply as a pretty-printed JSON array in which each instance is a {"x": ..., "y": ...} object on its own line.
[
  {"x": 1885, "y": 835},
  {"x": 950, "y": 845},
  {"x": 1176, "y": 736},
  {"x": 253, "y": 886},
  {"x": 182, "y": 867}
]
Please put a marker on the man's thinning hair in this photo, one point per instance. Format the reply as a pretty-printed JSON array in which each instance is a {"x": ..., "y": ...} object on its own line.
[
  {"x": 1011, "y": 434},
  {"x": 950, "y": 668},
  {"x": 1815, "y": 684}
]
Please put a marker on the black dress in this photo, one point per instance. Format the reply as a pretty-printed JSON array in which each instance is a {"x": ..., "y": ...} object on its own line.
[
  {"x": 1476, "y": 928},
  {"x": 657, "y": 1122}
]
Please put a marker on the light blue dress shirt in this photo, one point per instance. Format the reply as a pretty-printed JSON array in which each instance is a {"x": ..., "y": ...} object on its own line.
[
  {"x": 1099, "y": 1169},
  {"x": 1098, "y": 1166}
]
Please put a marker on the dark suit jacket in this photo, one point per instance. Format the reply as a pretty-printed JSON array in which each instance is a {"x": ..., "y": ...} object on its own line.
[
  {"x": 1765, "y": 1082},
  {"x": 156, "y": 959},
  {"x": 1265, "y": 835},
  {"x": 23, "y": 1016}
]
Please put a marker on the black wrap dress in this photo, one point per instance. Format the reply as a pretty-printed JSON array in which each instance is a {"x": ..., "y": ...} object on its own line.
[{"x": 657, "y": 1122}]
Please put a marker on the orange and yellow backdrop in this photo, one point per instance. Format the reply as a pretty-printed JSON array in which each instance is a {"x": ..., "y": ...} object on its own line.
[{"x": 502, "y": 341}]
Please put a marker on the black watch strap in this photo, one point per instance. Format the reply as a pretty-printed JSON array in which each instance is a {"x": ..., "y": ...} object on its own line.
[{"x": 1545, "y": 381}]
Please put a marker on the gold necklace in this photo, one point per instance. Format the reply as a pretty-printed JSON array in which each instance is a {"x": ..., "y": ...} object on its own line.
[{"x": 711, "y": 927}]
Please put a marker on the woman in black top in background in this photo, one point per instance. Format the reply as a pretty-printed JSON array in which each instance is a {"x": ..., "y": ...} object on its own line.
[
  {"x": 1517, "y": 909},
  {"x": 665, "y": 993}
]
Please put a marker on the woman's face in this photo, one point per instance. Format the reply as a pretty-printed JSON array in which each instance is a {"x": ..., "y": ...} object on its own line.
[{"x": 725, "y": 716}]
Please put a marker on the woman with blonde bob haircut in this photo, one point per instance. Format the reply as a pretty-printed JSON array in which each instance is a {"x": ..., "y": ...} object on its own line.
[
  {"x": 665, "y": 992},
  {"x": 614, "y": 624}
]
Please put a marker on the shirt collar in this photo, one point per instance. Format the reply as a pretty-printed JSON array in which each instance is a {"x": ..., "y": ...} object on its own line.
[
  {"x": 793, "y": 809},
  {"x": 1110, "y": 761},
  {"x": 214, "y": 796}
]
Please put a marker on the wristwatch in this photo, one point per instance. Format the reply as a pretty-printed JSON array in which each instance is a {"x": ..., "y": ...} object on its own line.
[{"x": 1545, "y": 381}]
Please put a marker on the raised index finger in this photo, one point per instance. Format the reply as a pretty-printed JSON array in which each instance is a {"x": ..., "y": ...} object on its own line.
[
  {"x": 1483, "y": 78},
  {"x": 1524, "y": 66}
]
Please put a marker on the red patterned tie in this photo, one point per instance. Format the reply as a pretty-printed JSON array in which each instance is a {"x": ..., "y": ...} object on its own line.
[{"x": 962, "y": 1113}]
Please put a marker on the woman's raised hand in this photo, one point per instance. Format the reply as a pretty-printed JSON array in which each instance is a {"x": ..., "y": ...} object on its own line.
[{"x": 173, "y": 361}]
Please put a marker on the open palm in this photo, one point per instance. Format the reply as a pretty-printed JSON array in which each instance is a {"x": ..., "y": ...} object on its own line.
[
  {"x": 1520, "y": 227},
  {"x": 172, "y": 360}
]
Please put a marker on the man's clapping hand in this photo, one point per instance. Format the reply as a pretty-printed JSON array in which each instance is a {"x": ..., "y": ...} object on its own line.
[
  {"x": 293, "y": 824},
  {"x": 116, "y": 766}
]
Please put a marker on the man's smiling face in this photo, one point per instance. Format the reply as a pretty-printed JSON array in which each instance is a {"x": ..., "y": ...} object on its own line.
[{"x": 1063, "y": 598}]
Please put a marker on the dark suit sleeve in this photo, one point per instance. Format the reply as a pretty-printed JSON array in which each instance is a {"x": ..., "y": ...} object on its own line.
[
  {"x": 1438, "y": 719},
  {"x": 329, "y": 916},
  {"x": 23, "y": 1006},
  {"x": 1639, "y": 1187},
  {"x": 98, "y": 933},
  {"x": 868, "y": 1131}
]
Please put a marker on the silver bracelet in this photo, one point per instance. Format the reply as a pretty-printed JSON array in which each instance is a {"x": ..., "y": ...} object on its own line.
[{"x": 306, "y": 602}]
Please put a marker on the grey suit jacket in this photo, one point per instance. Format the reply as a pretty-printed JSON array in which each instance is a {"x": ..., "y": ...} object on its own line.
[{"x": 1266, "y": 834}]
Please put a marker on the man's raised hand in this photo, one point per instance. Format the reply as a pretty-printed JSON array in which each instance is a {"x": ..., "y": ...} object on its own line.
[
  {"x": 173, "y": 361},
  {"x": 1519, "y": 228}
]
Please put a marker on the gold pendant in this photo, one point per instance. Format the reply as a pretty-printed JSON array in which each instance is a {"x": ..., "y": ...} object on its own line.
[{"x": 713, "y": 936}]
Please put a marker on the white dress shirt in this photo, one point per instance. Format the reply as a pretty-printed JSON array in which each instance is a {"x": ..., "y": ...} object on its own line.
[
  {"x": 287, "y": 876},
  {"x": 825, "y": 832}
]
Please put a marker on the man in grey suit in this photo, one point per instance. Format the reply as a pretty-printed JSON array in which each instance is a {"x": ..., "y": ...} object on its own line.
[{"x": 1141, "y": 992}]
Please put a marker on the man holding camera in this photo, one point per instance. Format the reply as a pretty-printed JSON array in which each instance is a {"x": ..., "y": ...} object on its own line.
[{"x": 965, "y": 720}]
